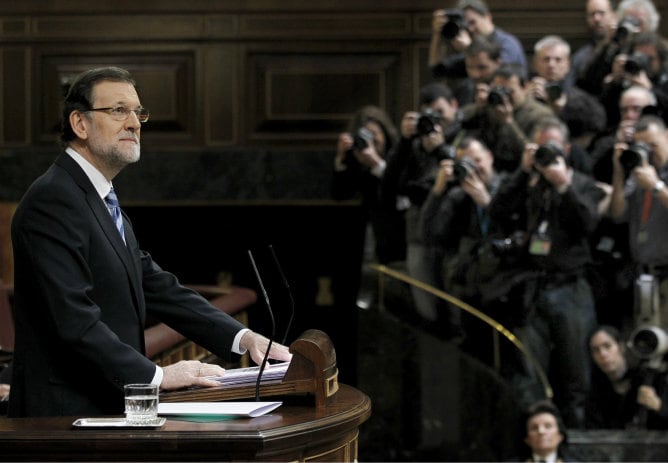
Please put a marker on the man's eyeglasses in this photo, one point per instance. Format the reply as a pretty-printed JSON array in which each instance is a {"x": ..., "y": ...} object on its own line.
[{"x": 121, "y": 113}]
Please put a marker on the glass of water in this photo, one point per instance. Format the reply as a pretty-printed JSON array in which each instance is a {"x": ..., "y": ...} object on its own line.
[{"x": 141, "y": 404}]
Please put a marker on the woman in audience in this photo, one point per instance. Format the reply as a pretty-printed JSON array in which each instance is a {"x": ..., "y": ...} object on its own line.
[{"x": 624, "y": 393}]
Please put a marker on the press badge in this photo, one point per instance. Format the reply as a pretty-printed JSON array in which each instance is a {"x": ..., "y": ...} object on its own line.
[{"x": 541, "y": 243}]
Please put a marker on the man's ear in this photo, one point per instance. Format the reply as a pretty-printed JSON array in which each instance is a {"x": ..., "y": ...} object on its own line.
[{"x": 79, "y": 125}]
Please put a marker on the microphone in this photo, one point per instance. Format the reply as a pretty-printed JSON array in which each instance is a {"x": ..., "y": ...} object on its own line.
[
  {"x": 287, "y": 287},
  {"x": 273, "y": 326}
]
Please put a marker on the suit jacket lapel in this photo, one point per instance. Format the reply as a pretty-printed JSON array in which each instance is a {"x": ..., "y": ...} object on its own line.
[{"x": 103, "y": 218}]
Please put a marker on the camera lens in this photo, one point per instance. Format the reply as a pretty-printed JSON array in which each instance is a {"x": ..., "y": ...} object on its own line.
[
  {"x": 427, "y": 122},
  {"x": 554, "y": 91},
  {"x": 362, "y": 139},
  {"x": 635, "y": 63},
  {"x": 547, "y": 154},
  {"x": 454, "y": 25},
  {"x": 496, "y": 96},
  {"x": 633, "y": 156}
]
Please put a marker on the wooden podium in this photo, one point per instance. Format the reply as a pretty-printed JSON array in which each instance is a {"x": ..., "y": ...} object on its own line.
[
  {"x": 323, "y": 427},
  {"x": 312, "y": 372}
]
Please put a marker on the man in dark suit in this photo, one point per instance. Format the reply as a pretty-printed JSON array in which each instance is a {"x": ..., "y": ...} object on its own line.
[{"x": 83, "y": 287}]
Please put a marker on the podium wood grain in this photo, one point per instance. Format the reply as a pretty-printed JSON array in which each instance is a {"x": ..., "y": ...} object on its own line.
[{"x": 293, "y": 432}]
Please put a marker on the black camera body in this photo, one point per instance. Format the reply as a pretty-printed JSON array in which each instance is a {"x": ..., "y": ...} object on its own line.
[
  {"x": 626, "y": 27},
  {"x": 462, "y": 168},
  {"x": 362, "y": 139},
  {"x": 443, "y": 152},
  {"x": 456, "y": 23},
  {"x": 554, "y": 90},
  {"x": 496, "y": 95},
  {"x": 634, "y": 155},
  {"x": 428, "y": 121},
  {"x": 548, "y": 153},
  {"x": 637, "y": 63}
]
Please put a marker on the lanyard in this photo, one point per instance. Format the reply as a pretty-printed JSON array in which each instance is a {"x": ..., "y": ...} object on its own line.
[{"x": 646, "y": 207}]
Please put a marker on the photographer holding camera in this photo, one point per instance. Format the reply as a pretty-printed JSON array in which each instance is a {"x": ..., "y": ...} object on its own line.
[
  {"x": 556, "y": 208},
  {"x": 454, "y": 217},
  {"x": 640, "y": 198},
  {"x": 644, "y": 63},
  {"x": 359, "y": 164},
  {"x": 552, "y": 85},
  {"x": 634, "y": 17},
  {"x": 624, "y": 394},
  {"x": 426, "y": 137},
  {"x": 453, "y": 31},
  {"x": 602, "y": 24},
  {"x": 503, "y": 116}
]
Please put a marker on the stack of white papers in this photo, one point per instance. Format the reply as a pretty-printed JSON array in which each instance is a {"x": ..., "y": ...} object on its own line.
[
  {"x": 245, "y": 376},
  {"x": 249, "y": 409}
]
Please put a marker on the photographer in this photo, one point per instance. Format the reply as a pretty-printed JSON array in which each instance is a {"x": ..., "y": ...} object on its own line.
[
  {"x": 640, "y": 198},
  {"x": 359, "y": 164},
  {"x": 410, "y": 175},
  {"x": 454, "y": 217},
  {"x": 552, "y": 85},
  {"x": 634, "y": 16},
  {"x": 556, "y": 208},
  {"x": 453, "y": 31},
  {"x": 623, "y": 393},
  {"x": 503, "y": 116},
  {"x": 602, "y": 24},
  {"x": 644, "y": 63}
]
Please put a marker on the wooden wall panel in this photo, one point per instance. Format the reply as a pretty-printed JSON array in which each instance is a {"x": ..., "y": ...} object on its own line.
[
  {"x": 165, "y": 81},
  {"x": 14, "y": 99},
  {"x": 330, "y": 87},
  {"x": 221, "y": 93},
  {"x": 228, "y": 73}
]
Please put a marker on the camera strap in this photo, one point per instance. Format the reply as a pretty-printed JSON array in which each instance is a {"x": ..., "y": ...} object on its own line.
[
  {"x": 540, "y": 242},
  {"x": 644, "y": 217}
]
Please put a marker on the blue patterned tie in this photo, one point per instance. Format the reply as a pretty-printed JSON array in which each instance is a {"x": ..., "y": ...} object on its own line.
[{"x": 115, "y": 210}]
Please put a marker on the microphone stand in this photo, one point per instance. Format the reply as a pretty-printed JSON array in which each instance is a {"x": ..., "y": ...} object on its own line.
[{"x": 273, "y": 327}]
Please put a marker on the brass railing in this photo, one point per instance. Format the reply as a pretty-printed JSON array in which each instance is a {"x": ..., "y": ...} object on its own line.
[{"x": 497, "y": 327}]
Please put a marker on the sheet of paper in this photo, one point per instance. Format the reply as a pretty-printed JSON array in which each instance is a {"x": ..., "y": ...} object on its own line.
[
  {"x": 247, "y": 409},
  {"x": 239, "y": 376}
]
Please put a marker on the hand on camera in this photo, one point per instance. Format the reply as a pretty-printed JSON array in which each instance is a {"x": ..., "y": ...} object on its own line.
[
  {"x": 409, "y": 124},
  {"x": 444, "y": 176},
  {"x": 647, "y": 396},
  {"x": 473, "y": 186}
]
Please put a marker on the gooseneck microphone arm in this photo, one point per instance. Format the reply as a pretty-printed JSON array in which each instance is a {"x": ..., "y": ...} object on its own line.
[
  {"x": 287, "y": 287},
  {"x": 273, "y": 327}
]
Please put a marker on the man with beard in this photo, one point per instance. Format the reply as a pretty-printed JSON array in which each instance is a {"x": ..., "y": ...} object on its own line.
[{"x": 83, "y": 287}]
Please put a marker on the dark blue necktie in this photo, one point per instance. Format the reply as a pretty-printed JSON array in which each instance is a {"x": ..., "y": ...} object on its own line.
[{"x": 115, "y": 210}]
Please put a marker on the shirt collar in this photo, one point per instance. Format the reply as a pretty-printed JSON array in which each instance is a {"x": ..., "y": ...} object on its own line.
[
  {"x": 551, "y": 458},
  {"x": 99, "y": 181}
]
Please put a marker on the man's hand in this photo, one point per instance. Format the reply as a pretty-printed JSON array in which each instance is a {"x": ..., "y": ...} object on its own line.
[
  {"x": 646, "y": 176},
  {"x": 444, "y": 176},
  {"x": 4, "y": 391},
  {"x": 557, "y": 173},
  {"x": 476, "y": 189},
  {"x": 256, "y": 344},
  {"x": 188, "y": 373}
]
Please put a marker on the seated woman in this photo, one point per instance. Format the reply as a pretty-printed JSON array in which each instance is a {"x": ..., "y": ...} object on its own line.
[{"x": 624, "y": 394}]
